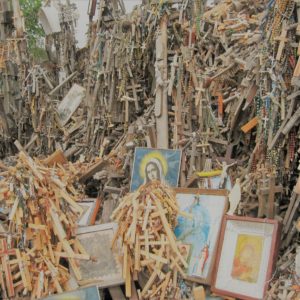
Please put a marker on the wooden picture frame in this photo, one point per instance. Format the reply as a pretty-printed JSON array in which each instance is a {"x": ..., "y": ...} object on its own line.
[
  {"x": 201, "y": 233},
  {"x": 90, "y": 207},
  {"x": 88, "y": 293},
  {"x": 245, "y": 257},
  {"x": 105, "y": 269}
]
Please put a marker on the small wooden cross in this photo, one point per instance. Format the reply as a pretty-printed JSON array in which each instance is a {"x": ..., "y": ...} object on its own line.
[
  {"x": 282, "y": 40},
  {"x": 265, "y": 119}
]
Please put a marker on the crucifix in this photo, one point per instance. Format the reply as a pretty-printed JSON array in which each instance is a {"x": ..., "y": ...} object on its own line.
[
  {"x": 282, "y": 40},
  {"x": 224, "y": 174}
]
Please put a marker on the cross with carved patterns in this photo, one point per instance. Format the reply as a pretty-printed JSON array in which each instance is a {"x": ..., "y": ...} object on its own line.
[{"x": 4, "y": 254}]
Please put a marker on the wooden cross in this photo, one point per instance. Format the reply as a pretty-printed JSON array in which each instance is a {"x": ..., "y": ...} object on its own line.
[
  {"x": 134, "y": 87},
  {"x": 127, "y": 99},
  {"x": 266, "y": 196},
  {"x": 273, "y": 189},
  {"x": 4, "y": 254},
  {"x": 282, "y": 40}
]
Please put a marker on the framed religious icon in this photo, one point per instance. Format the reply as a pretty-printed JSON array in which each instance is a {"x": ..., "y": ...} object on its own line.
[
  {"x": 246, "y": 256},
  {"x": 155, "y": 164},
  {"x": 105, "y": 269},
  {"x": 201, "y": 232}
]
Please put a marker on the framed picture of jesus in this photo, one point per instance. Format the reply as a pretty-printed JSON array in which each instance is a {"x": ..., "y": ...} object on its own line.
[{"x": 201, "y": 231}]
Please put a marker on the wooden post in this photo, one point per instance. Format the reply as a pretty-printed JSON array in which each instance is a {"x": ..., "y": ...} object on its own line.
[
  {"x": 18, "y": 22},
  {"x": 161, "y": 99},
  {"x": 178, "y": 124}
]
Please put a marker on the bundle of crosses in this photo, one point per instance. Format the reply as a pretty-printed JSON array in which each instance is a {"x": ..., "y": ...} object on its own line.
[
  {"x": 146, "y": 220},
  {"x": 37, "y": 234}
]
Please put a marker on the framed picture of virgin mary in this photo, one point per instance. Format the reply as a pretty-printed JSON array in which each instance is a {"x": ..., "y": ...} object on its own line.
[{"x": 155, "y": 164}]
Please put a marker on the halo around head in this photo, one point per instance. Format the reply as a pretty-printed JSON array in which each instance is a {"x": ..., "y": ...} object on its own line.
[{"x": 153, "y": 155}]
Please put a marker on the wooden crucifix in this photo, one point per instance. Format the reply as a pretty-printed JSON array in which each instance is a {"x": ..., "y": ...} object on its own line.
[{"x": 282, "y": 40}]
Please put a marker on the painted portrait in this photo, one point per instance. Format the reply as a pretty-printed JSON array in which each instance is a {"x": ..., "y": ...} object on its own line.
[
  {"x": 201, "y": 231},
  {"x": 155, "y": 164},
  {"x": 247, "y": 258}
]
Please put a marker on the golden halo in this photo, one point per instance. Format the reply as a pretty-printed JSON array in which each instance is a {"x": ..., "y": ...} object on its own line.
[{"x": 149, "y": 156}]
